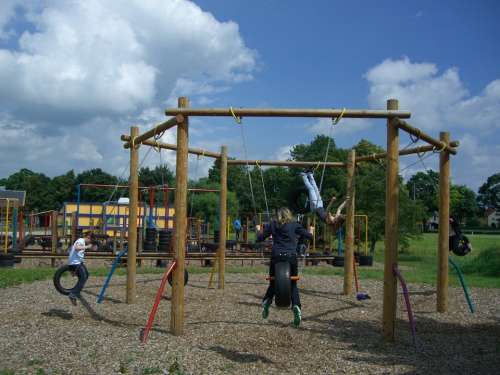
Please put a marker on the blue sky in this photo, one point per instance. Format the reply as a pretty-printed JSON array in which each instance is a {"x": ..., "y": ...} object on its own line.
[{"x": 68, "y": 94}]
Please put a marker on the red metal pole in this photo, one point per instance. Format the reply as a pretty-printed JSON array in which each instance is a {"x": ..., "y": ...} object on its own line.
[{"x": 159, "y": 293}]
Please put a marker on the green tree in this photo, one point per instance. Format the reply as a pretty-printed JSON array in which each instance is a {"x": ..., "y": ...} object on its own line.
[
  {"x": 95, "y": 176},
  {"x": 463, "y": 204},
  {"x": 489, "y": 193},
  {"x": 36, "y": 185},
  {"x": 62, "y": 189},
  {"x": 423, "y": 186}
]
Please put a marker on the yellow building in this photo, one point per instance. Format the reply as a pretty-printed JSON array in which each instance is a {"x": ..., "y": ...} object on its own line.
[{"x": 111, "y": 216}]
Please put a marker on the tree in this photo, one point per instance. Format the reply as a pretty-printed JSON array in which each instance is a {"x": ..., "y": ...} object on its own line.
[
  {"x": 489, "y": 193},
  {"x": 161, "y": 174},
  {"x": 424, "y": 186},
  {"x": 95, "y": 176},
  {"x": 36, "y": 186},
  {"x": 62, "y": 189},
  {"x": 463, "y": 204}
]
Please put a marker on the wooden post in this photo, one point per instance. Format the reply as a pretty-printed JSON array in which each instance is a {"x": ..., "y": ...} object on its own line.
[
  {"x": 391, "y": 225},
  {"x": 223, "y": 215},
  {"x": 349, "y": 236},
  {"x": 181, "y": 174},
  {"x": 54, "y": 237},
  {"x": 132, "y": 219},
  {"x": 444, "y": 226}
]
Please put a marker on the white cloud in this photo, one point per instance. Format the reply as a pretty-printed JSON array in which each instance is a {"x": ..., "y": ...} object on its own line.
[
  {"x": 441, "y": 102},
  {"x": 437, "y": 101},
  {"x": 344, "y": 127},
  {"x": 83, "y": 72},
  {"x": 101, "y": 56},
  {"x": 283, "y": 153}
]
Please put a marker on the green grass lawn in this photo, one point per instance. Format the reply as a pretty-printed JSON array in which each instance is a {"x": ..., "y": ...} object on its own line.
[{"x": 418, "y": 264}]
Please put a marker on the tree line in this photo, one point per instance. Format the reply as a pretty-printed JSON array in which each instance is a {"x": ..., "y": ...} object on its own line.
[{"x": 249, "y": 188}]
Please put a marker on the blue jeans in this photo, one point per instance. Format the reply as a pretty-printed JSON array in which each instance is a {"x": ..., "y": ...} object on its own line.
[{"x": 80, "y": 269}]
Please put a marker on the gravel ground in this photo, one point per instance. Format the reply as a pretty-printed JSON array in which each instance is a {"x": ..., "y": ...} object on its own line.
[{"x": 41, "y": 332}]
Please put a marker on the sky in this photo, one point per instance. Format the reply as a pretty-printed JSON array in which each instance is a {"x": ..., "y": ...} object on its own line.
[{"x": 75, "y": 75}]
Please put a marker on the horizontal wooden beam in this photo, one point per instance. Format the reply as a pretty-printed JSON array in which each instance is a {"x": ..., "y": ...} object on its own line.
[
  {"x": 283, "y": 163},
  {"x": 286, "y": 112},
  {"x": 424, "y": 137},
  {"x": 171, "y": 146},
  {"x": 409, "y": 151},
  {"x": 158, "y": 129}
]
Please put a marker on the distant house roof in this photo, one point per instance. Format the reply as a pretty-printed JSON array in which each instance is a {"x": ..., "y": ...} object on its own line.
[
  {"x": 14, "y": 194},
  {"x": 489, "y": 212}
]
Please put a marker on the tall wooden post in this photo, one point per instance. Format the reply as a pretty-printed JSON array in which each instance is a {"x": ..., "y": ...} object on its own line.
[
  {"x": 349, "y": 237},
  {"x": 223, "y": 215},
  {"x": 54, "y": 239},
  {"x": 181, "y": 174},
  {"x": 391, "y": 225},
  {"x": 132, "y": 218},
  {"x": 444, "y": 226}
]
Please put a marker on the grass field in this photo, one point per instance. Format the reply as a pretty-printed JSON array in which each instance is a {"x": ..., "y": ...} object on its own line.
[{"x": 418, "y": 264}]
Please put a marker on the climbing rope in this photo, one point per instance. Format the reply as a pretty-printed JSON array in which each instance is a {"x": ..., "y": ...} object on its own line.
[
  {"x": 245, "y": 152},
  {"x": 335, "y": 122},
  {"x": 264, "y": 189}
]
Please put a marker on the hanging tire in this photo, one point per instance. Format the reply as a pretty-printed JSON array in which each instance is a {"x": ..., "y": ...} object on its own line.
[
  {"x": 282, "y": 284},
  {"x": 366, "y": 260},
  {"x": 77, "y": 275},
  {"x": 7, "y": 260},
  {"x": 338, "y": 261},
  {"x": 186, "y": 278}
]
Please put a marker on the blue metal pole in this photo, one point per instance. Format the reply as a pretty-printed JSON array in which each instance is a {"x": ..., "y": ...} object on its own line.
[{"x": 110, "y": 274}]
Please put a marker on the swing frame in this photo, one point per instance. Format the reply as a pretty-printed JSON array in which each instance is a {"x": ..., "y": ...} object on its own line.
[{"x": 394, "y": 122}]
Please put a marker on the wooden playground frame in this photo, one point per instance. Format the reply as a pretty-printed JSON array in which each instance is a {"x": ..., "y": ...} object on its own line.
[{"x": 395, "y": 122}]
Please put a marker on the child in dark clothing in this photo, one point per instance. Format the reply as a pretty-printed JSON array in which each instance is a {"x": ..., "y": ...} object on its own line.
[{"x": 285, "y": 232}]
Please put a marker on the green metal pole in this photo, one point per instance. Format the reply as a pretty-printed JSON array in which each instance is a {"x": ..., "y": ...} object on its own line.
[{"x": 464, "y": 285}]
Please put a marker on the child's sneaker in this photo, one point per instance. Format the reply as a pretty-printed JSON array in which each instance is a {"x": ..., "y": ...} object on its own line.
[
  {"x": 297, "y": 315},
  {"x": 265, "y": 308}
]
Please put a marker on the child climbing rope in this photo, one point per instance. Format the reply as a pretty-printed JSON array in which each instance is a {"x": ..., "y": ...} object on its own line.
[
  {"x": 317, "y": 203},
  {"x": 286, "y": 233},
  {"x": 75, "y": 259}
]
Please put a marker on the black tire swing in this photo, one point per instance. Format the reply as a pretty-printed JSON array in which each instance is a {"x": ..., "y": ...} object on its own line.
[
  {"x": 282, "y": 284},
  {"x": 76, "y": 273},
  {"x": 186, "y": 278}
]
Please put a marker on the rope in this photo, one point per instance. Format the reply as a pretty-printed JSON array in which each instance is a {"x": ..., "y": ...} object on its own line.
[
  {"x": 236, "y": 118},
  {"x": 264, "y": 189},
  {"x": 245, "y": 151},
  {"x": 192, "y": 193},
  {"x": 335, "y": 122}
]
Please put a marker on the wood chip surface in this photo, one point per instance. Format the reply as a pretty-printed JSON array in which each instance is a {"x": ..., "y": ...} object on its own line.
[{"x": 43, "y": 333}]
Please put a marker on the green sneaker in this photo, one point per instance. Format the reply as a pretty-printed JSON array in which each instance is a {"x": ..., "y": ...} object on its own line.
[
  {"x": 265, "y": 309},
  {"x": 297, "y": 316}
]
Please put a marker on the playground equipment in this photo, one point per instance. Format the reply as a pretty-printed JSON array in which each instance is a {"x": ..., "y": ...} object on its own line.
[
  {"x": 283, "y": 282},
  {"x": 406, "y": 296},
  {"x": 68, "y": 278},
  {"x": 360, "y": 296},
  {"x": 464, "y": 285},
  {"x": 395, "y": 122}
]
